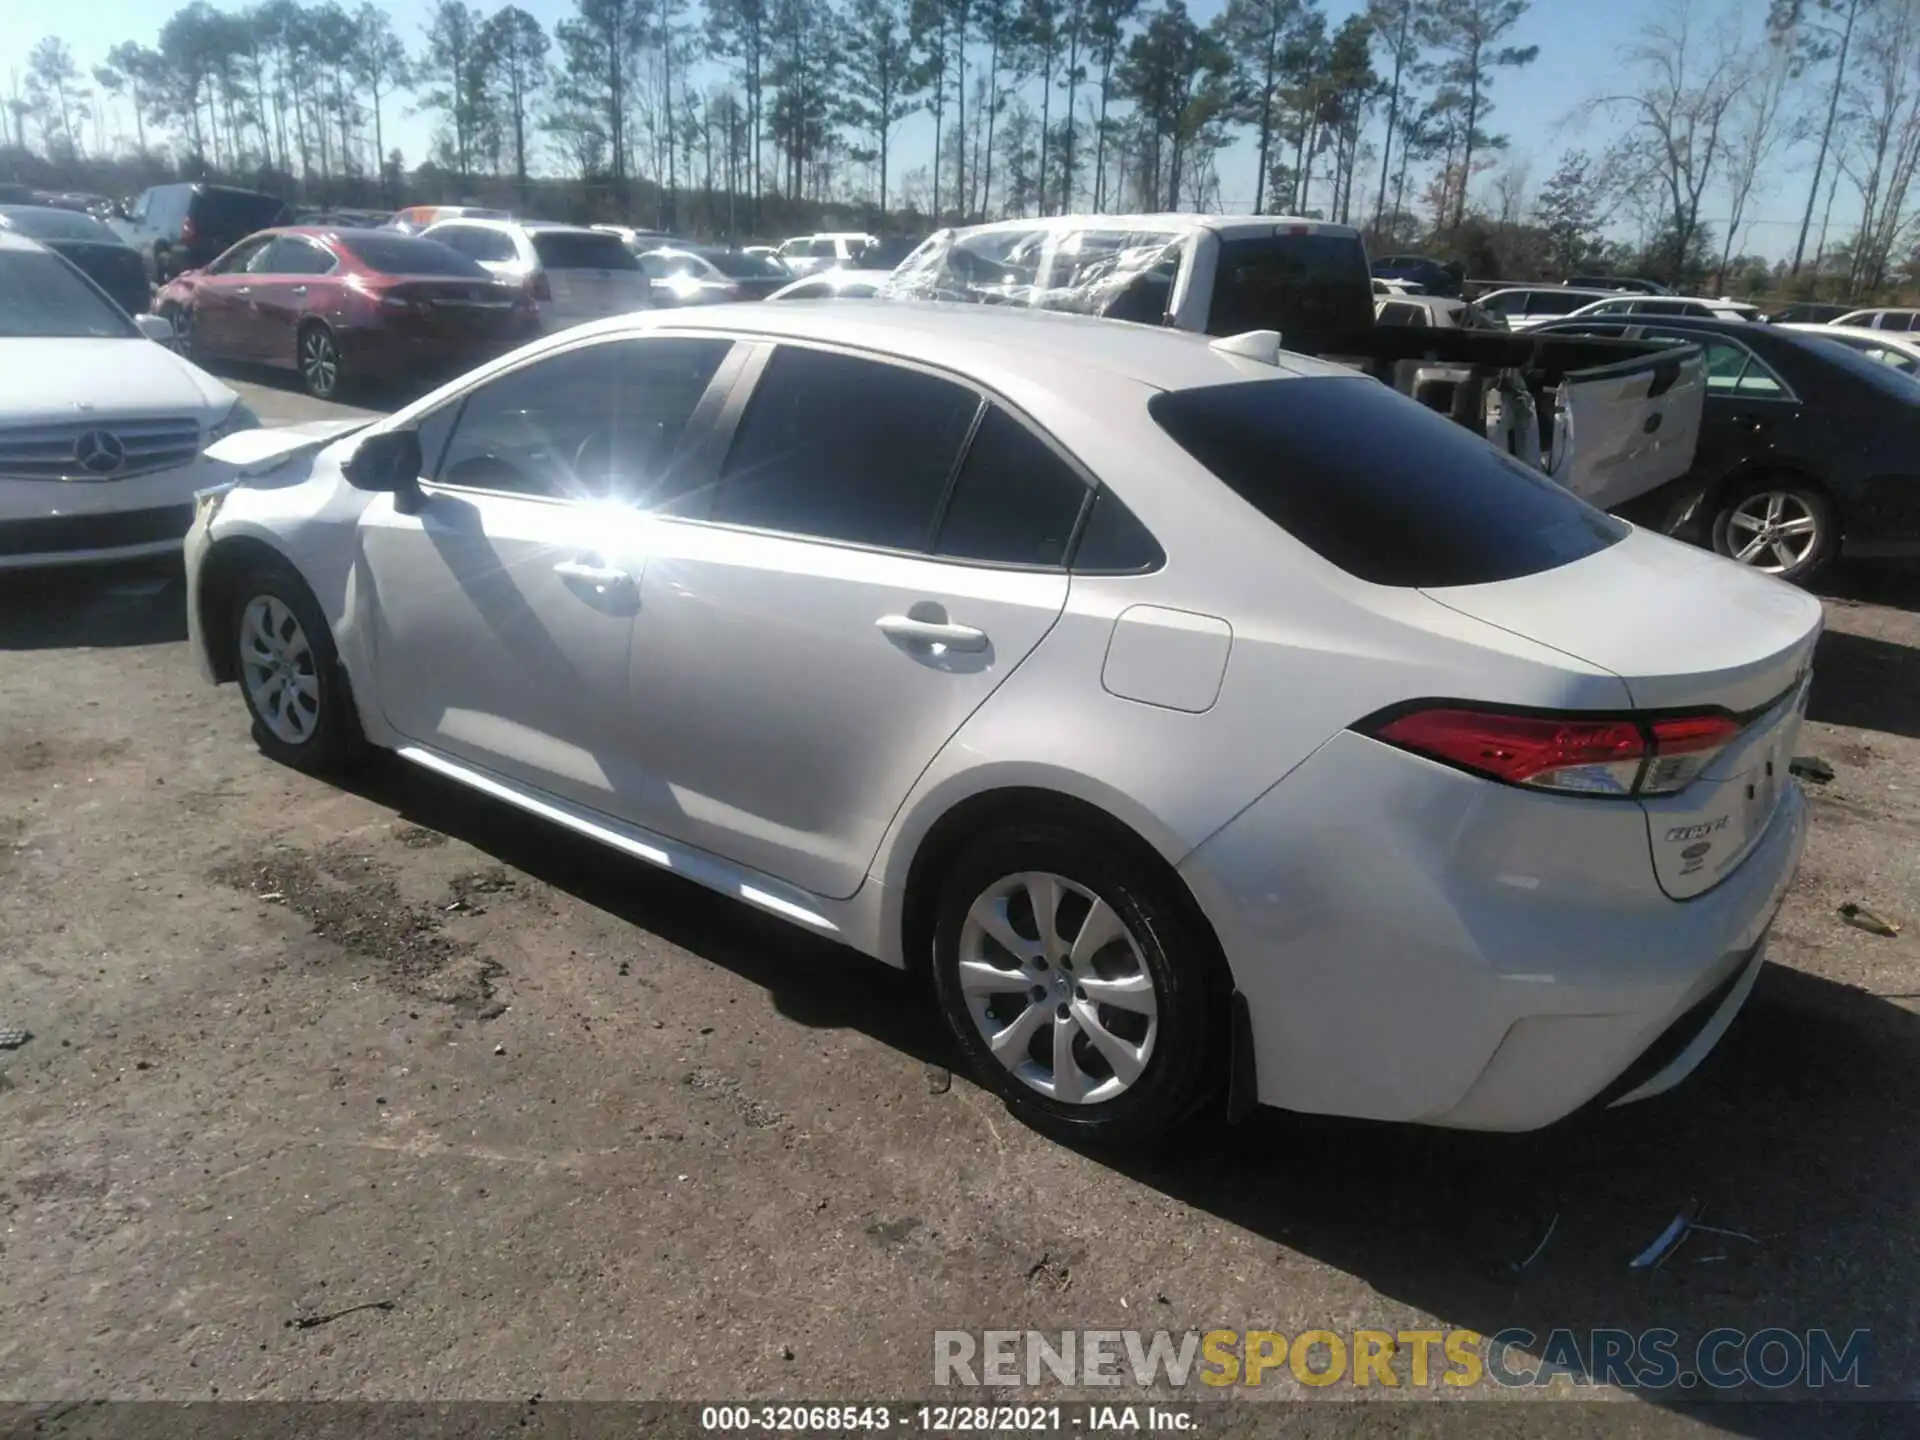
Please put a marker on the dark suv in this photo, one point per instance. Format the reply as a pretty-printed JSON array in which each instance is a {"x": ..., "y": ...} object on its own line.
[{"x": 182, "y": 227}]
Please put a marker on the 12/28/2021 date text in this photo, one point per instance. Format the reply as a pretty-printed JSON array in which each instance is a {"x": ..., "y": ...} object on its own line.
[{"x": 790, "y": 1419}]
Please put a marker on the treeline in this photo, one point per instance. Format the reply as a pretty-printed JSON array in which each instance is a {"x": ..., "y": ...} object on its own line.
[{"x": 729, "y": 111}]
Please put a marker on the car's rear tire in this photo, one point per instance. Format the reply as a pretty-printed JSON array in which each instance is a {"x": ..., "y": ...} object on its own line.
[
  {"x": 1103, "y": 1024},
  {"x": 323, "y": 372},
  {"x": 289, "y": 672},
  {"x": 1779, "y": 524}
]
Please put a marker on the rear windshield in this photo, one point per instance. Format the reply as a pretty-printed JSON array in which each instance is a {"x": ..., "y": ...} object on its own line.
[
  {"x": 582, "y": 250},
  {"x": 1556, "y": 302},
  {"x": 1379, "y": 485},
  {"x": 409, "y": 255},
  {"x": 1881, "y": 377},
  {"x": 739, "y": 266},
  {"x": 49, "y": 224},
  {"x": 237, "y": 212},
  {"x": 1308, "y": 287}
]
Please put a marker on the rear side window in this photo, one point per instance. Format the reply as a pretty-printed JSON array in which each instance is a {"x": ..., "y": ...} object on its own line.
[
  {"x": 1015, "y": 501},
  {"x": 1548, "y": 302},
  {"x": 1310, "y": 288},
  {"x": 1380, "y": 485},
  {"x": 1115, "y": 542},
  {"x": 578, "y": 250},
  {"x": 235, "y": 212},
  {"x": 845, "y": 449},
  {"x": 1402, "y": 314}
]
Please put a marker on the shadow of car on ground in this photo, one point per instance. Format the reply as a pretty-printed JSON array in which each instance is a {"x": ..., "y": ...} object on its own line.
[{"x": 1800, "y": 1135}]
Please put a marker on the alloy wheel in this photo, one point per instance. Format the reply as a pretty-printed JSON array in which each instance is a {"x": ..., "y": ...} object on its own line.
[
  {"x": 1057, "y": 986},
  {"x": 319, "y": 362},
  {"x": 277, "y": 667},
  {"x": 1774, "y": 531}
]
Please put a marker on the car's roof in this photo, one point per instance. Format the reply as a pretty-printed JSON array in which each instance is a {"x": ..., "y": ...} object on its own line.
[
  {"x": 1228, "y": 226},
  {"x": 14, "y": 240},
  {"x": 1548, "y": 288},
  {"x": 1883, "y": 310},
  {"x": 990, "y": 340},
  {"x": 1895, "y": 339}
]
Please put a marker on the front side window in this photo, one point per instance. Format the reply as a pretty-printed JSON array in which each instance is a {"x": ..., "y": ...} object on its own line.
[
  {"x": 1015, "y": 502},
  {"x": 841, "y": 448},
  {"x": 602, "y": 422}
]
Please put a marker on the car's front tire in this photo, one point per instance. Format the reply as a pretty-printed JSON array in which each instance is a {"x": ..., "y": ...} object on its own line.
[
  {"x": 1779, "y": 524},
  {"x": 1076, "y": 984},
  {"x": 289, "y": 672}
]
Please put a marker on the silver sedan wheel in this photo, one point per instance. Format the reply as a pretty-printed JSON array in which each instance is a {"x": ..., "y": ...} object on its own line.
[
  {"x": 277, "y": 667},
  {"x": 1773, "y": 531},
  {"x": 1057, "y": 986}
]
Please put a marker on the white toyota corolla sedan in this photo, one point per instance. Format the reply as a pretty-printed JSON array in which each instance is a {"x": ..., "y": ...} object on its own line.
[
  {"x": 1213, "y": 723},
  {"x": 101, "y": 429}
]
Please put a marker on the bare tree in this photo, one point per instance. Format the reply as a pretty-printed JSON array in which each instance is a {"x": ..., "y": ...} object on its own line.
[
  {"x": 1883, "y": 120},
  {"x": 1687, "y": 83},
  {"x": 1755, "y": 131},
  {"x": 1815, "y": 42}
]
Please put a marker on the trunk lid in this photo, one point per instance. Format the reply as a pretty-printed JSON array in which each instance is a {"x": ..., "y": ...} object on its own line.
[
  {"x": 455, "y": 307},
  {"x": 1685, "y": 631}
]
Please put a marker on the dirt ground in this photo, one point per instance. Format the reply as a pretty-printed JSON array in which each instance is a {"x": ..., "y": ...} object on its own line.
[{"x": 388, "y": 1092}]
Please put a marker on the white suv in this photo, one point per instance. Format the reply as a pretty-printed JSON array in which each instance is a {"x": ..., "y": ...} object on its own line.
[
  {"x": 573, "y": 274},
  {"x": 806, "y": 254}
]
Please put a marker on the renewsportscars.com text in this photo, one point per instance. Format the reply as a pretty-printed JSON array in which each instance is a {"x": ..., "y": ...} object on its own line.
[{"x": 1656, "y": 1359}]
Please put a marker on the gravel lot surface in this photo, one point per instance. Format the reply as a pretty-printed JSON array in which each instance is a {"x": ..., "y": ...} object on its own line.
[{"x": 385, "y": 1091}]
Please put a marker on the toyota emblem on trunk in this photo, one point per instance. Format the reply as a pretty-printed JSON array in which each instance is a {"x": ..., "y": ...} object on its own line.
[{"x": 100, "y": 452}]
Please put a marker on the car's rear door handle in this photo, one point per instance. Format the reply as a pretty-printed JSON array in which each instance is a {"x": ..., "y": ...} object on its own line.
[
  {"x": 591, "y": 574},
  {"x": 932, "y": 632},
  {"x": 298, "y": 290},
  {"x": 243, "y": 289}
]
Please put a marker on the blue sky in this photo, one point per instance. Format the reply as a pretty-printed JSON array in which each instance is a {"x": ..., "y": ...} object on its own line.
[{"x": 1539, "y": 107}]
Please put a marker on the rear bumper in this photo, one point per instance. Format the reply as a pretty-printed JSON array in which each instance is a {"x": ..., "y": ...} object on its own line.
[{"x": 1415, "y": 944}]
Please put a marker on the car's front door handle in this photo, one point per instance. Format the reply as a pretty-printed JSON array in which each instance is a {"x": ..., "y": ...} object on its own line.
[
  {"x": 591, "y": 574},
  {"x": 932, "y": 632},
  {"x": 243, "y": 289},
  {"x": 298, "y": 290}
]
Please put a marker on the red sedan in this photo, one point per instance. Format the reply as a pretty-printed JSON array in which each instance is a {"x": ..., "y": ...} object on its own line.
[{"x": 345, "y": 305}]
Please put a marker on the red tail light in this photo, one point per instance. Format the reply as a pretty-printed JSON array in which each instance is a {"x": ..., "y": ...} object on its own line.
[
  {"x": 189, "y": 231},
  {"x": 1573, "y": 754},
  {"x": 537, "y": 286}
]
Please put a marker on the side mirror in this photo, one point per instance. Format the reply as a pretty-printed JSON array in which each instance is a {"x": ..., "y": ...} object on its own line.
[
  {"x": 156, "y": 328},
  {"x": 388, "y": 460}
]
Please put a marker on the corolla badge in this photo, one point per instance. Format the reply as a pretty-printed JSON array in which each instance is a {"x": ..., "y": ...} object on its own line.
[{"x": 99, "y": 452}]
